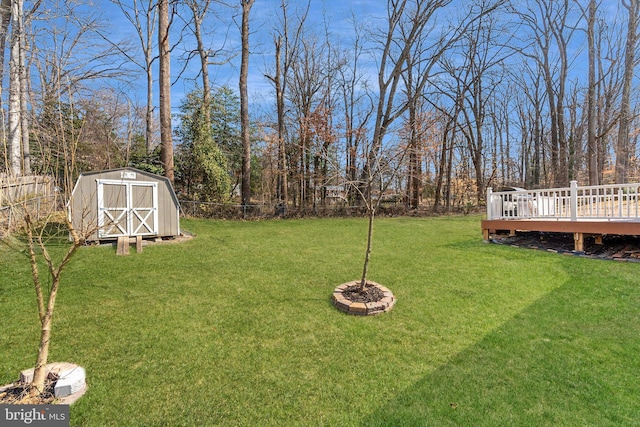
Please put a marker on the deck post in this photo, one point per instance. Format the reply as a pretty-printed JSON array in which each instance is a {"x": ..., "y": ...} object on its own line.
[
  {"x": 578, "y": 242},
  {"x": 574, "y": 200},
  {"x": 489, "y": 206}
]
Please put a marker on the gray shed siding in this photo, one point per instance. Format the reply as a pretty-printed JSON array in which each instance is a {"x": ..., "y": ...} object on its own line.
[{"x": 127, "y": 201}]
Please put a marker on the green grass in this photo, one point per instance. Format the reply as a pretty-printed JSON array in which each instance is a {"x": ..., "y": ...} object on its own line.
[{"x": 236, "y": 328}]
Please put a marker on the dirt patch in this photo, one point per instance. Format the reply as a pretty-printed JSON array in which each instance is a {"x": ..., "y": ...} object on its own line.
[{"x": 610, "y": 247}]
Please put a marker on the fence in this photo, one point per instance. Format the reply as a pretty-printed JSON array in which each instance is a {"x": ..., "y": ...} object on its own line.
[
  {"x": 35, "y": 194},
  {"x": 15, "y": 189},
  {"x": 573, "y": 203},
  {"x": 11, "y": 216},
  {"x": 260, "y": 211}
]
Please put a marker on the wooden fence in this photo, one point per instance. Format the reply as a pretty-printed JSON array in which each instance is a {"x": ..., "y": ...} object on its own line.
[
  {"x": 16, "y": 189},
  {"x": 37, "y": 194}
]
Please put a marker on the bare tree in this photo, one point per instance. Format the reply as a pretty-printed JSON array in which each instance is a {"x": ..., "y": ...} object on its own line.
[
  {"x": 142, "y": 14},
  {"x": 244, "y": 103},
  {"x": 357, "y": 104},
  {"x": 44, "y": 229},
  {"x": 476, "y": 78},
  {"x": 166, "y": 141},
  {"x": 306, "y": 92},
  {"x": 550, "y": 36},
  {"x": 623, "y": 149},
  {"x": 592, "y": 156},
  {"x": 16, "y": 71},
  {"x": 37, "y": 244},
  {"x": 445, "y": 163},
  {"x": 410, "y": 24},
  {"x": 287, "y": 43},
  {"x": 5, "y": 20},
  {"x": 64, "y": 74},
  {"x": 609, "y": 80},
  {"x": 200, "y": 10},
  {"x": 384, "y": 173},
  {"x": 280, "y": 84}
]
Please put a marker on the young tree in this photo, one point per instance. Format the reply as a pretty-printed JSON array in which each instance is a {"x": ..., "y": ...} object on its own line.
[
  {"x": 37, "y": 248},
  {"x": 406, "y": 37},
  {"x": 48, "y": 239},
  {"x": 382, "y": 171}
]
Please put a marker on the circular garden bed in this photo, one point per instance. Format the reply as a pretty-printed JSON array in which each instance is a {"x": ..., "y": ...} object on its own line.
[{"x": 375, "y": 299}]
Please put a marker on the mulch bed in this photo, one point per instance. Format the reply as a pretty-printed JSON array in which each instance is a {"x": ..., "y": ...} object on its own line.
[
  {"x": 19, "y": 394},
  {"x": 370, "y": 294},
  {"x": 613, "y": 247}
]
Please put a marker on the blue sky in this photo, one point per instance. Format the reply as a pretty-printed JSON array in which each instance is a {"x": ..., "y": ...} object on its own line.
[{"x": 264, "y": 17}]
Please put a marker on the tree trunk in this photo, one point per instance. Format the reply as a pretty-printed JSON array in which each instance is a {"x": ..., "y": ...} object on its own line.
[
  {"x": 166, "y": 151},
  {"x": 204, "y": 63},
  {"x": 371, "y": 212},
  {"x": 282, "y": 191},
  {"x": 24, "y": 119},
  {"x": 244, "y": 104},
  {"x": 149, "y": 111},
  {"x": 622, "y": 152},
  {"x": 442, "y": 164},
  {"x": 5, "y": 20},
  {"x": 40, "y": 372},
  {"x": 592, "y": 149},
  {"x": 15, "y": 89}
]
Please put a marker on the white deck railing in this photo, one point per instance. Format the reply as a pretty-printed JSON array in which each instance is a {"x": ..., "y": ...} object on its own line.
[{"x": 574, "y": 203}]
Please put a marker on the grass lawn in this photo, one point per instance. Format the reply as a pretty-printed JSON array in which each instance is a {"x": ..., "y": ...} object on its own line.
[{"x": 235, "y": 328}]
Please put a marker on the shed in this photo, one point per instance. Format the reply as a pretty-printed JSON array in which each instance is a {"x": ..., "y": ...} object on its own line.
[{"x": 125, "y": 202}]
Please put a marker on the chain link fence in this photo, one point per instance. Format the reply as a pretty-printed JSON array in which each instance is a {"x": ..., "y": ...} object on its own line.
[{"x": 212, "y": 210}]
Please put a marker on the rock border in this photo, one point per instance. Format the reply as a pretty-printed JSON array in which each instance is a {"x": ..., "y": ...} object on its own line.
[
  {"x": 70, "y": 394},
  {"x": 361, "y": 308}
]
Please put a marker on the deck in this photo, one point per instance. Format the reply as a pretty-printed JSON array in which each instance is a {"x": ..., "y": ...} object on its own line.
[{"x": 582, "y": 211}]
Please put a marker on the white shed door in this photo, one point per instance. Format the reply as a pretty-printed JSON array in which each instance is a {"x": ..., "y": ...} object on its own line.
[{"x": 127, "y": 208}]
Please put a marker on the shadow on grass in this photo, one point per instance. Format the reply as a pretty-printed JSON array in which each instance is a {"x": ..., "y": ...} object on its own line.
[{"x": 565, "y": 360}]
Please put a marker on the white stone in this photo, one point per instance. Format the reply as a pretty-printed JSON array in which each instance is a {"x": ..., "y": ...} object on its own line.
[
  {"x": 52, "y": 369},
  {"x": 69, "y": 382}
]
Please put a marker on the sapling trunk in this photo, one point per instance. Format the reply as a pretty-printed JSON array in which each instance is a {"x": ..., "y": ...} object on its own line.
[{"x": 371, "y": 210}]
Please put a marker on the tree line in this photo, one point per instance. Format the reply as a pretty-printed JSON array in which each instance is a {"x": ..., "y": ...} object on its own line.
[{"x": 432, "y": 101}]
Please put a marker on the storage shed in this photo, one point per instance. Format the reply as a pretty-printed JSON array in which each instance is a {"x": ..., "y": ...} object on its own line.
[{"x": 126, "y": 202}]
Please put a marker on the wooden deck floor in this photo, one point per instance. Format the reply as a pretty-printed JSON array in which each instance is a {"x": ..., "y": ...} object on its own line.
[{"x": 579, "y": 229}]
